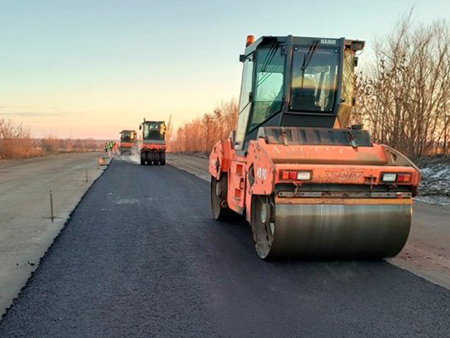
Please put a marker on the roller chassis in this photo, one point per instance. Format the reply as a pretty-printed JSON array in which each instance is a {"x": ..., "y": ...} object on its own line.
[{"x": 344, "y": 210}]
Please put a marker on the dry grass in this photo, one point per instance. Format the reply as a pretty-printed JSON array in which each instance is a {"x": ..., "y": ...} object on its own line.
[{"x": 15, "y": 141}]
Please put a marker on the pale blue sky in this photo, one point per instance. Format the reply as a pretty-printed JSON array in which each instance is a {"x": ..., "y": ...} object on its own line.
[{"x": 91, "y": 68}]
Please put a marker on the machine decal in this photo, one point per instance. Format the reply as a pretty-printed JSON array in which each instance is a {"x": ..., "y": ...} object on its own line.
[
  {"x": 261, "y": 173},
  {"x": 328, "y": 42},
  {"x": 341, "y": 175}
]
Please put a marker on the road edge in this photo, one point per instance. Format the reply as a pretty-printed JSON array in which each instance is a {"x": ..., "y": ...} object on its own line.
[{"x": 4, "y": 311}]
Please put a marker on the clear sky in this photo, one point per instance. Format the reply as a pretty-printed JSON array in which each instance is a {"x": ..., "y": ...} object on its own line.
[{"x": 90, "y": 68}]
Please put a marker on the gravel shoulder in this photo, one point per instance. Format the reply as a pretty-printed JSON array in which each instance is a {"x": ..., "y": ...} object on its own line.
[
  {"x": 26, "y": 230},
  {"x": 427, "y": 252}
]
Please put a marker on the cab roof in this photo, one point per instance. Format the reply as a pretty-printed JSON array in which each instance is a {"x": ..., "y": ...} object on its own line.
[{"x": 303, "y": 40}]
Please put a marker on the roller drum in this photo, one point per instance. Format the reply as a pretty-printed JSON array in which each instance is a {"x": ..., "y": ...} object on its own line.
[{"x": 337, "y": 231}]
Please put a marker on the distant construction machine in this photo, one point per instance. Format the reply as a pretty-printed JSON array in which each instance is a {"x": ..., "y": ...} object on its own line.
[
  {"x": 309, "y": 184},
  {"x": 127, "y": 142},
  {"x": 153, "y": 145}
]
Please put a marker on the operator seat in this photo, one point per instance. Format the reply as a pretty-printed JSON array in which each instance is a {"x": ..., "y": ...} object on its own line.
[{"x": 303, "y": 94}]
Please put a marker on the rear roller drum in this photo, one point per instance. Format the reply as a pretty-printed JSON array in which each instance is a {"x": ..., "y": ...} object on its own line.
[
  {"x": 218, "y": 194},
  {"x": 142, "y": 158}
]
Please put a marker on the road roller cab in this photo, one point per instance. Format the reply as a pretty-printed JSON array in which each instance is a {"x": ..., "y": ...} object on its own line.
[
  {"x": 153, "y": 145},
  {"x": 128, "y": 140},
  {"x": 308, "y": 183}
]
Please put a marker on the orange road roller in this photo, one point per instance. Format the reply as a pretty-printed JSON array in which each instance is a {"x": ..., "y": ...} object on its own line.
[
  {"x": 153, "y": 145},
  {"x": 310, "y": 184},
  {"x": 127, "y": 142}
]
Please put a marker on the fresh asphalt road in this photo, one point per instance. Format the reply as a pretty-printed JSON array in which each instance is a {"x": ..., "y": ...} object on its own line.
[{"x": 142, "y": 257}]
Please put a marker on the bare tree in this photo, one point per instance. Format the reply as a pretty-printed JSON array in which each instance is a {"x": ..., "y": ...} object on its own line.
[
  {"x": 201, "y": 134},
  {"x": 15, "y": 140},
  {"x": 404, "y": 97}
]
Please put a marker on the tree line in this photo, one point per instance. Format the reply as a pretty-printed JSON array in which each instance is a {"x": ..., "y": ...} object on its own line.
[{"x": 16, "y": 142}]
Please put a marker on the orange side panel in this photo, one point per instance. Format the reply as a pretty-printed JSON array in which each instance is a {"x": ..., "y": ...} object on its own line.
[
  {"x": 228, "y": 154},
  {"x": 261, "y": 167}
]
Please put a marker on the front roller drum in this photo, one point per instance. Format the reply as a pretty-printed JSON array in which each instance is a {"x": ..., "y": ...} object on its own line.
[{"x": 329, "y": 231}]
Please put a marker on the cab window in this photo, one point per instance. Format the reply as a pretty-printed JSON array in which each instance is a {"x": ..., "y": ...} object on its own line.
[
  {"x": 269, "y": 84},
  {"x": 314, "y": 77},
  {"x": 244, "y": 101}
]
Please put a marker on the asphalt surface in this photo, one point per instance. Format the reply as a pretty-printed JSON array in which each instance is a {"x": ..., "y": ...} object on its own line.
[{"x": 142, "y": 257}]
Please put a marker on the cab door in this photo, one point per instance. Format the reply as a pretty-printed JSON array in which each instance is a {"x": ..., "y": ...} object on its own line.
[{"x": 244, "y": 102}]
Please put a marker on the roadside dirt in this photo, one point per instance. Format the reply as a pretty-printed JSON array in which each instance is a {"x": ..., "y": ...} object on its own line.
[
  {"x": 197, "y": 165},
  {"x": 26, "y": 230},
  {"x": 435, "y": 181},
  {"x": 427, "y": 252}
]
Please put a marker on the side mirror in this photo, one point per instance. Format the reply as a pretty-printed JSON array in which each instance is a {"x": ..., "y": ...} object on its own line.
[
  {"x": 140, "y": 127},
  {"x": 241, "y": 58}
]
